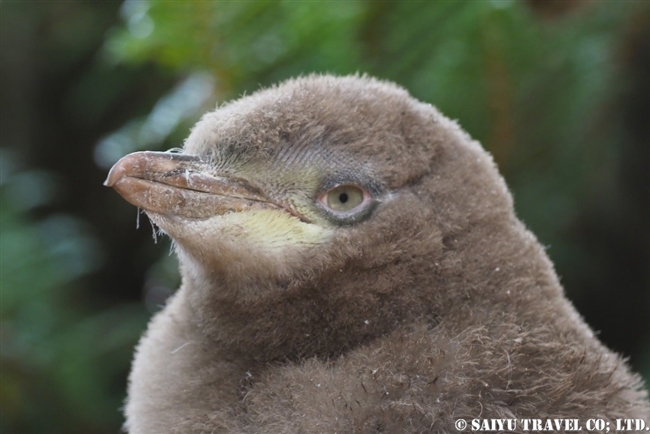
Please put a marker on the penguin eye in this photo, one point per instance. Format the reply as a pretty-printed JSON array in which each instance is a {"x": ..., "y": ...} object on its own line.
[{"x": 344, "y": 198}]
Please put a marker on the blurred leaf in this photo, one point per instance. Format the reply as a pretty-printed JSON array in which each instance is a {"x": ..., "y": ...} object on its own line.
[{"x": 56, "y": 355}]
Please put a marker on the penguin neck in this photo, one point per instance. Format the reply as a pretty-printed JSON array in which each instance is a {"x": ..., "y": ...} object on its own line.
[{"x": 321, "y": 318}]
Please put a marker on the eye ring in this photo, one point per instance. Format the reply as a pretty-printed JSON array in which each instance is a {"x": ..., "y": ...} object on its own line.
[{"x": 345, "y": 199}]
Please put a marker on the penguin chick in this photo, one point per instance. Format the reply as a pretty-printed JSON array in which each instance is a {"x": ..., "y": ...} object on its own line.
[{"x": 351, "y": 263}]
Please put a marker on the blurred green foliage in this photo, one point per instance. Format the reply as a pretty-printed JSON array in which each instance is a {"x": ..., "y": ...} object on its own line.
[
  {"x": 58, "y": 356},
  {"x": 552, "y": 89}
]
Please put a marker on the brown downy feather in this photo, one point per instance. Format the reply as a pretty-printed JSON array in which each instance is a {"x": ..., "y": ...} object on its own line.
[{"x": 437, "y": 306}]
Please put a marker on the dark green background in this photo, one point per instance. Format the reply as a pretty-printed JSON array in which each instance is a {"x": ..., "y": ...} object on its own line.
[{"x": 558, "y": 91}]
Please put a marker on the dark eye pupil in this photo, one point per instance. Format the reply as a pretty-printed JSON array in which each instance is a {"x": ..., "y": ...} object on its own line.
[{"x": 343, "y": 197}]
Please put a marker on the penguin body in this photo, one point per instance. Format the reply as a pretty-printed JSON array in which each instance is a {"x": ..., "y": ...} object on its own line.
[{"x": 352, "y": 263}]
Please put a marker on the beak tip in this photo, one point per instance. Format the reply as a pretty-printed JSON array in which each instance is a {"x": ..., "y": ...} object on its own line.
[
  {"x": 116, "y": 172},
  {"x": 109, "y": 182},
  {"x": 123, "y": 167}
]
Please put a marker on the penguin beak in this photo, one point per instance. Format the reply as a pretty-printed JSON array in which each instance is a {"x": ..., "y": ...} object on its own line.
[{"x": 180, "y": 185}]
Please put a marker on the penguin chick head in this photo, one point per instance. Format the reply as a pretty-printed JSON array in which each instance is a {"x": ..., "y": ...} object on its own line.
[{"x": 305, "y": 181}]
